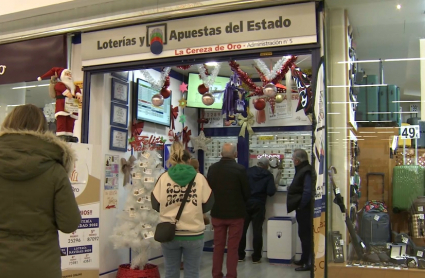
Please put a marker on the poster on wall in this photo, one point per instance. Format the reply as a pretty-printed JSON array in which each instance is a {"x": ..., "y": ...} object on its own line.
[
  {"x": 110, "y": 187},
  {"x": 80, "y": 249},
  {"x": 319, "y": 217}
]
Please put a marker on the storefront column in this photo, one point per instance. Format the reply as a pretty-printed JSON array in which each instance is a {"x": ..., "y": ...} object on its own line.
[
  {"x": 422, "y": 53},
  {"x": 337, "y": 114}
]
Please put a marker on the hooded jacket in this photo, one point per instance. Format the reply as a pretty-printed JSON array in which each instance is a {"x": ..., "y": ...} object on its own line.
[
  {"x": 261, "y": 183},
  {"x": 36, "y": 200},
  {"x": 168, "y": 194}
]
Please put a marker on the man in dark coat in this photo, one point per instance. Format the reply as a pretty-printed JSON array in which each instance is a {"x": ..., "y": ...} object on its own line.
[
  {"x": 299, "y": 199},
  {"x": 262, "y": 184},
  {"x": 229, "y": 183}
]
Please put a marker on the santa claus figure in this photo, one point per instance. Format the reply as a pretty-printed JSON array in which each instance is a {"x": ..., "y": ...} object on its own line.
[{"x": 67, "y": 96}]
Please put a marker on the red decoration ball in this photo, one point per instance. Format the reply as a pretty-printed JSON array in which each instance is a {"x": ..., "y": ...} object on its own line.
[
  {"x": 202, "y": 89},
  {"x": 259, "y": 103},
  {"x": 166, "y": 93}
]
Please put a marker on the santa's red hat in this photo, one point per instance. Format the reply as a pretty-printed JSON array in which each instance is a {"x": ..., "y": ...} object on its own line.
[{"x": 57, "y": 71}]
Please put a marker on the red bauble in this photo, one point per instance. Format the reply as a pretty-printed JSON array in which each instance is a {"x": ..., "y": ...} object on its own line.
[
  {"x": 166, "y": 93},
  {"x": 259, "y": 103},
  {"x": 202, "y": 89}
]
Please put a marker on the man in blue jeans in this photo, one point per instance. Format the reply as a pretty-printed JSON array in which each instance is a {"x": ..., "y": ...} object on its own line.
[
  {"x": 262, "y": 184},
  {"x": 299, "y": 199}
]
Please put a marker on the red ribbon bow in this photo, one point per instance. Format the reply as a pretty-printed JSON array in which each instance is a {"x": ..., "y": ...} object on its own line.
[
  {"x": 186, "y": 135},
  {"x": 137, "y": 128},
  {"x": 174, "y": 114}
]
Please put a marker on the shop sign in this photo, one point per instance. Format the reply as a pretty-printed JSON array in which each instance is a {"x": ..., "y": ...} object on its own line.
[
  {"x": 2, "y": 69},
  {"x": 249, "y": 29}
]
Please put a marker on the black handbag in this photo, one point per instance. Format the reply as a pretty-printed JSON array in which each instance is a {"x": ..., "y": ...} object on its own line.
[{"x": 165, "y": 231}]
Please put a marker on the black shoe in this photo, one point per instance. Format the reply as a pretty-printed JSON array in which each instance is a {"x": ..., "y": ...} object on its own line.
[
  {"x": 73, "y": 139},
  {"x": 303, "y": 268},
  {"x": 241, "y": 260},
  {"x": 299, "y": 263}
]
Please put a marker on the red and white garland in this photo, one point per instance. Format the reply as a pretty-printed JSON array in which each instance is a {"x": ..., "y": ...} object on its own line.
[
  {"x": 203, "y": 72},
  {"x": 157, "y": 84}
]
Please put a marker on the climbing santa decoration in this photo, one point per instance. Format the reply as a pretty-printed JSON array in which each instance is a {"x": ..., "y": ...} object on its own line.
[{"x": 68, "y": 100}]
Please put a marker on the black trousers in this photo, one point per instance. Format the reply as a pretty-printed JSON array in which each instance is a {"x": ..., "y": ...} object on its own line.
[
  {"x": 256, "y": 213},
  {"x": 305, "y": 228}
]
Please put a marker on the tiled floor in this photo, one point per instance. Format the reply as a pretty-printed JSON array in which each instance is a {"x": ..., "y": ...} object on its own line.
[{"x": 247, "y": 269}]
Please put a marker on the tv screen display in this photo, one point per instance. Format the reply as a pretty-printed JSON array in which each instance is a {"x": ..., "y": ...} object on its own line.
[
  {"x": 146, "y": 111},
  {"x": 194, "y": 98}
]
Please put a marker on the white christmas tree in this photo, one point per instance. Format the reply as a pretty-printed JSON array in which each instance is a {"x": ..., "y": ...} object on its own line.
[{"x": 136, "y": 224}]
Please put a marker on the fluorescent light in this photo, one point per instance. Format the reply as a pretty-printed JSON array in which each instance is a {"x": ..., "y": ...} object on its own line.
[
  {"x": 404, "y": 59},
  {"x": 360, "y": 61},
  {"x": 336, "y": 113},
  {"x": 212, "y": 64},
  {"x": 13, "y": 105},
  {"x": 397, "y": 101},
  {"x": 43, "y": 85},
  {"x": 398, "y": 7},
  {"x": 23, "y": 87},
  {"x": 356, "y": 86}
]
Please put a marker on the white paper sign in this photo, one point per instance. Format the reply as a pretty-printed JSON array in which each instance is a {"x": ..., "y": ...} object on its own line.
[
  {"x": 420, "y": 254},
  {"x": 71, "y": 105},
  {"x": 409, "y": 132},
  {"x": 421, "y": 216},
  {"x": 376, "y": 218},
  {"x": 420, "y": 208}
]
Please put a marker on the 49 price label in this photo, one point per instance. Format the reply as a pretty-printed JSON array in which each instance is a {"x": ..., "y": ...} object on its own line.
[{"x": 410, "y": 132}]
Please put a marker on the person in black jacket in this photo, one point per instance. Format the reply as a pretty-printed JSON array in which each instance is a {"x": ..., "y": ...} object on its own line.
[
  {"x": 299, "y": 199},
  {"x": 229, "y": 183},
  {"x": 262, "y": 183}
]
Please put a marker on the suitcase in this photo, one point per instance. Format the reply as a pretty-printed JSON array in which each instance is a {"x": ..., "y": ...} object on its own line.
[
  {"x": 408, "y": 142},
  {"x": 375, "y": 225},
  {"x": 389, "y": 106},
  {"x": 421, "y": 139},
  {"x": 417, "y": 218},
  {"x": 408, "y": 184},
  {"x": 368, "y": 100}
]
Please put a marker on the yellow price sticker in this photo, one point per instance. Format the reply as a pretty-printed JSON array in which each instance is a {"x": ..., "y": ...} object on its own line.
[{"x": 266, "y": 138}]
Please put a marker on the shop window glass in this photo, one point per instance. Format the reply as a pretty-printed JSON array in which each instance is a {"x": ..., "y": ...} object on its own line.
[{"x": 375, "y": 66}]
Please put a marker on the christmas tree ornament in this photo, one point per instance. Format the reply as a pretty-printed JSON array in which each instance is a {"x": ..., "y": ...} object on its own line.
[
  {"x": 157, "y": 100},
  {"x": 202, "y": 89},
  {"x": 269, "y": 90},
  {"x": 166, "y": 93},
  {"x": 126, "y": 167},
  {"x": 183, "y": 87},
  {"x": 259, "y": 103},
  {"x": 272, "y": 102},
  {"x": 182, "y": 119},
  {"x": 174, "y": 114},
  {"x": 245, "y": 124},
  {"x": 201, "y": 142},
  {"x": 182, "y": 103},
  {"x": 279, "y": 98},
  {"x": 208, "y": 99},
  {"x": 186, "y": 135}
]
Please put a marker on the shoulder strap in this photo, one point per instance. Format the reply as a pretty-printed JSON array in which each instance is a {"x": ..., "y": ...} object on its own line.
[{"x": 186, "y": 195}]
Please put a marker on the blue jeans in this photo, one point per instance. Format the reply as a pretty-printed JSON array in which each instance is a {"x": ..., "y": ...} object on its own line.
[{"x": 191, "y": 251}]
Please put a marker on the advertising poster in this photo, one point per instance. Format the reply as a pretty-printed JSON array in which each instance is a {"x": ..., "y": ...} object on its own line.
[
  {"x": 319, "y": 217},
  {"x": 110, "y": 192},
  {"x": 80, "y": 249}
]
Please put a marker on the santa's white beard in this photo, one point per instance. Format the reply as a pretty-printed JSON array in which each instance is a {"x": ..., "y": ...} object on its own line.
[{"x": 69, "y": 83}]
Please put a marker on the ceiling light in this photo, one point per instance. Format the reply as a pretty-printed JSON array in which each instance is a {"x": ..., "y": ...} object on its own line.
[
  {"x": 23, "y": 87},
  {"x": 404, "y": 59},
  {"x": 397, "y": 101},
  {"x": 360, "y": 61},
  {"x": 43, "y": 85},
  {"x": 398, "y": 7},
  {"x": 336, "y": 113},
  {"x": 212, "y": 64}
]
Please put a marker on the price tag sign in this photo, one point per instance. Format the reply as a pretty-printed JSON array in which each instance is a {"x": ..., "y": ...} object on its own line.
[
  {"x": 376, "y": 218},
  {"x": 421, "y": 216},
  {"x": 341, "y": 242},
  {"x": 409, "y": 132},
  {"x": 420, "y": 254},
  {"x": 420, "y": 208}
]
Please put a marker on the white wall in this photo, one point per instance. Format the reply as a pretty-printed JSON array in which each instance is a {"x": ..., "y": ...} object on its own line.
[
  {"x": 23, "y": 5},
  {"x": 100, "y": 101}
]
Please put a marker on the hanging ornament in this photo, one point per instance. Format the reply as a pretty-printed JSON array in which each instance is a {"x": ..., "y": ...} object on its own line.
[
  {"x": 207, "y": 81},
  {"x": 202, "y": 89},
  {"x": 157, "y": 100},
  {"x": 156, "y": 84},
  {"x": 259, "y": 103},
  {"x": 186, "y": 135},
  {"x": 270, "y": 74},
  {"x": 182, "y": 103},
  {"x": 49, "y": 112},
  {"x": 208, "y": 99},
  {"x": 183, "y": 87},
  {"x": 272, "y": 102},
  {"x": 174, "y": 114},
  {"x": 269, "y": 90},
  {"x": 279, "y": 98},
  {"x": 200, "y": 142},
  {"x": 182, "y": 119},
  {"x": 166, "y": 93}
]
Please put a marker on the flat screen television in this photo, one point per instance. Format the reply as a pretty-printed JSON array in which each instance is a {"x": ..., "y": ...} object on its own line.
[
  {"x": 145, "y": 110},
  {"x": 194, "y": 98}
]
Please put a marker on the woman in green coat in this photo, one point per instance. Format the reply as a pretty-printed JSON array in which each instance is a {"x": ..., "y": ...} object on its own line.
[{"x": 36, "y": 197}]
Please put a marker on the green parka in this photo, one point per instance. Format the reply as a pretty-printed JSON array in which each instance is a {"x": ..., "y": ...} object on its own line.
[{"x": 36, "y": 200}]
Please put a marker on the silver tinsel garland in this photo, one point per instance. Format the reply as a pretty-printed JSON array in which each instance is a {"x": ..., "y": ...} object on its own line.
[
  {"x": 156, "y": 84},
  {"x": 208, "y": 80},
  {"x": 270, "y": 75}
]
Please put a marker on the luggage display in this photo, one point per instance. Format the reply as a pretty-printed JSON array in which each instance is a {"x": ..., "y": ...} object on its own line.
[
  {"x": 368, "y": 100},
  {"x": 417, "y": 218},
  {"x": 389, "y": 106},
  {"x": 375, "y": 225},
  {"x": 408, "y": 142},
  {"x": 408, "y": 184}
]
